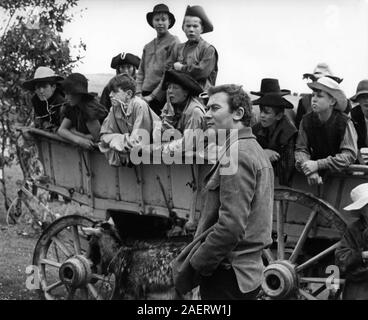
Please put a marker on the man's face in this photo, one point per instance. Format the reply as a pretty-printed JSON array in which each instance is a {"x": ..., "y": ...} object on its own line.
[
  {"x": 363, "y": 101},
  {"x": 161, "y": 22},
  {"x": 44, "y": 91},
  {"x": 126, "y": 68},
  {"x": 177, "y": 94},
  {"x": 192, "y": 27},
  {"x": 218, "y": 115},
  {"x": 321, "y": 101},
  {"x": 73, "y": 99},
  {"x": 268, "y": 116}
]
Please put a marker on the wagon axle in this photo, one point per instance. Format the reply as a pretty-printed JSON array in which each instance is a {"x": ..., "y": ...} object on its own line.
[{"x": 76, "y": 271}]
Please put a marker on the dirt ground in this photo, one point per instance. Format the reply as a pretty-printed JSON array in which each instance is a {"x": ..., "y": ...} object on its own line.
[{"x": 17, "y": 243}]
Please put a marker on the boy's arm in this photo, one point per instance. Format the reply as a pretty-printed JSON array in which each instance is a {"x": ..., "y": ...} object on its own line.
[
  {"x": 301, "y": 148},
  {"x": 348, "y": 152}
]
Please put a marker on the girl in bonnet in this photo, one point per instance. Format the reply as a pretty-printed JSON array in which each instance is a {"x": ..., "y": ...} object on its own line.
[{"x": 352, "y": 254}]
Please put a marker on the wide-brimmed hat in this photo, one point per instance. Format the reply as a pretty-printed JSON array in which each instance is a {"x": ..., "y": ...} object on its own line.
[
  {"x": 183, "y": 79},
  {"x": 269, "y": 85},
  {"x": 321, "y": 70},
  {"x": 359, "y": 196},
  {"x": 125, "y": 58},
  {"x": 331, "y": 87},
  {"x": 160, "y": 8},
  {"x": 198, "y": 11},
  {"x": 362, "y": 88},
  {"x": 77, "y": 83},
  {"x": 273, "y": 100},
  {"x": 42, "y": 75}
]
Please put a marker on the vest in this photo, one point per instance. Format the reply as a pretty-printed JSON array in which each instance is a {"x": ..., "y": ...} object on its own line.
[{"x": 324, "y": 139}]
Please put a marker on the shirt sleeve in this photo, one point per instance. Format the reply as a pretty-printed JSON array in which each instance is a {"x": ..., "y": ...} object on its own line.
[
  {"x": 348, "y": 151},
  {"x": 302, "y": 153},
  {"x": 140, "y": 74},
  {"x": 203, "y": 69}
]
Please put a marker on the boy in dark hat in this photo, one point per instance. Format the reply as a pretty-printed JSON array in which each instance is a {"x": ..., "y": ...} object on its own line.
[
  {"x": 359, "y": 114},
  {"x": 48, "y": 100},
  {"x": 327, "y": 138},
  {"x": 128, "y": 117},
  {"x": 154, "y": 57},
  {"x": 83, "y": 114},
  {"x": 196, "y": 56},
  {"x": 274, "y": 132},
  {"x": 123, "y": 63}
]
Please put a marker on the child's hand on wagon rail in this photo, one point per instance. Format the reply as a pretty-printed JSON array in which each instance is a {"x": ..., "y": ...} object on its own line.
[
  {"x": 309, "y": 167},
  {"x": 272, "y": 155},
  {"x": 314, "y": 178},
  {"x": 85, "y": 143}
]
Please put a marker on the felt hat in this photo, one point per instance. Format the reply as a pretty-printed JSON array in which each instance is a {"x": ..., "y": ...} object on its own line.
[
  {"x": 125, "y": 58},
  {"x": 359, "y": 196},
  {"x": 183, "y": 79},
  {"x": 362, "y": 88},
  {"x": 321, "y": 70},
  {"x": 160, "y": 8},
  {"x": 273, "y": 100},
  {"x": 198, "y": 11},
  {"x": 42, "y": 75},
  {"x": 268, "y": 86},
  {"x": 332, "y": 87},
  {"x": 77, "y": 83}
]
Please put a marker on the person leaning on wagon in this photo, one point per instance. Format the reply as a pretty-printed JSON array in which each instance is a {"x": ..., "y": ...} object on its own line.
[
  {"x": 305, "y": 103},
  {"x": 196, "y": 56},
  {"x": 237, "y": 208},
  {"x": 352, "y": 254},
  {"x": 83, "y": 115},
  {"x": 275, "y": 132},
  {"x": 154, "y": 57},
  {"x": 129, "y": 114},
  {"x": 359, "y": 114},
  {"x": 327, "y": 138},
  {"x": 48, "y": 99},
  {"x": 123, "y": 63}
]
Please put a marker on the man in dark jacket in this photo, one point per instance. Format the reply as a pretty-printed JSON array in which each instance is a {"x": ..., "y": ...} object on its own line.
[
  {"x": 359, "y": 114},
  {"x": 237, "y": 211}
]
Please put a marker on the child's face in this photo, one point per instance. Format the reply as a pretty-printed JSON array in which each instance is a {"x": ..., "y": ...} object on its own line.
[
  {"x": 268, "y": 116},
  {"x": 126, "y": 68},
  {"x": 192, "y": 27},
  {"x": 322, "y": 101},
  {"x": 161, "y": 22},
  {"x": 44, "y": 91},
  {"x": 118, "y": 95},
  {"x": 363, "y": 101},
  {"x": 73, "y": 99},
  {"x": 176, "y": 93}
]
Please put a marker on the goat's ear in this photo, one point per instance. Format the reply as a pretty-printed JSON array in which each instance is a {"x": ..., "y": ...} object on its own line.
[{"x": 92, "y": 231}]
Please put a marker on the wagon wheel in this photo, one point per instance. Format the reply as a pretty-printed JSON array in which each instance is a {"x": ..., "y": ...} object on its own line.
[
  {"x": 65, "y": 272},
  {"x": 290, "y": 272}
]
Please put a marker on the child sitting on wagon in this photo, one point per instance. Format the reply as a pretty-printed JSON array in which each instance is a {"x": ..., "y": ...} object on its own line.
[
  {"x": 128, "y": 117},
  {"x": 275, "y": 132},
  {"x": 327, "y": 138},
  {"x": 83, "y": 114},
  {"x": 352, "y": 254}
]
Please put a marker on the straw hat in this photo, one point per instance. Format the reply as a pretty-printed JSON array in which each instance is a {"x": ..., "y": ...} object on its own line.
[
  {"x": 332, "y": 87},
  {"x": 359, "y": 196},
  {"x": 42, "y": 75},
  {"x": 321, "y": 70}
]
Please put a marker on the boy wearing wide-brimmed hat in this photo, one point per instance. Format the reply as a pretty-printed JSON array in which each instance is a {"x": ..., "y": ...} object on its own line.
[
  {"x": 322, "y": 69},
  {"x": 122, "y": 63},
  {"x": 352, "y": 254},
  {"x": 83, "y": 114},
  {"x": 359, "y": 114},
  {"x": 155, "y": 56},
  {"x": 48, "y": 100},
  {"x": 275, "y": 132},
  {"x": 327, "y": 138},
  {"x": 196, "y": 56}
]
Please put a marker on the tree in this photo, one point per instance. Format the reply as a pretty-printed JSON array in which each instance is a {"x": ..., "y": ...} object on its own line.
[{"x": 30, "y": 36}]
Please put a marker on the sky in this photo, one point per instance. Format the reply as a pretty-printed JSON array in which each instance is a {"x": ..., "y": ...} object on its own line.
[{"x": 255, "y": 39}]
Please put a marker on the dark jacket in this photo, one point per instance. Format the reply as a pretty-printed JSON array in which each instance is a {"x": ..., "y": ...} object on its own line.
[
  {"x": 105, "y": 98},
  {"x": 239, "y": 207},
  {"x": 349, "y": 260},
  {"x": 282, "y": 140},
  {"x": 358, "y": 119},
  {"x": 48, "y": 113}
]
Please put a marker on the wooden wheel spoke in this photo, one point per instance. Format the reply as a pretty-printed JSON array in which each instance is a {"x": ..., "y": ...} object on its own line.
[
  {"x": 268, "y": 255},
  {"x": 76, "y": 240},
  {"x": 93, "y": 291},
  {"x": 316, "y": 258},
  {"x": 51, "y": 263},
  {"x": 280, "y": 230},
  {"x": 99, "y": 277},
  {"x": 61, "y": 246},
  {"x": 53, "y": 286},
  {"x": 303, "y": 236},
  {"x": 307, "y": 295}
]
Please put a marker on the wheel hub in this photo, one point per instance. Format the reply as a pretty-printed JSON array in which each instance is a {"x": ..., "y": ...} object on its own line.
[
  {"x": 76, "y": 271},
  {"x": 280, "y": 280}
]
